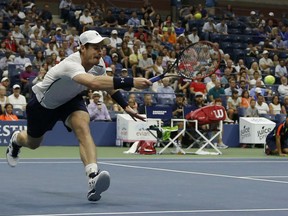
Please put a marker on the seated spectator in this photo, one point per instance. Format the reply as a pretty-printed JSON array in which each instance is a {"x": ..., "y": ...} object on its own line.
[
  {"x": 148, "y": 8},
  {"x": 197, "y": 85},
  {"x": 86, "y": 19},
  {"x": 165, "y": 92},
  {"x": 283, "y": 88},
  {"x": 256, "y": 76},
  {"x": 254, "y": 67},
  {"x": 222, "y": 28},
  {"x": 259, "y": 89},
  {"x": 265, "y": 63},
  {"x": 198, "y": 101},
  {"x": 275, "y": 107},
  {"x": 252, "y": 111},
  {"x": 16, "y": 33},
  {"x": 209, "y": 28},
  {"x": 215, "y": 92},
  {"x": 183, "y": 86},
  {"x": 21, "y": 60},
  {"x": 285, "y": 105},
  {"x": 40, "y": 76},
  {"x": 232, "y": 87},
  {"x": 125, "y": 52},
  {"x": 16, "y": 99},
  {"x": 233, "y": 103},
  {"x": 4, "y": 61},
  {"x": 245, "y": 99},
  {"x": 280, "y": 71},
  {"x": 8, "y": 113},
  {"x": 147, "y": 101},
  {"x": 145, "y": 65},
  {"x": 25, "y": 76},
  {"x": 179, "y": 30},
  {"x": 3, "y": 98},
  {"x": 98, "y": 110},
  {"x": 133, "y": 21},
  {"x": 115, "y": 41},
  {"x": 278, "y": 43},
  {"x": 261, "y": 106},
  {"x": 146, "y": 22},
  {"x": 110, "y": 20},
  {"x": 115, "y": 61}
]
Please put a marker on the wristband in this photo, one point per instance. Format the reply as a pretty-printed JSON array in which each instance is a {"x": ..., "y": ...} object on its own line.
[
  {"x": 123, "y": 83},
  {"x": 118, "y": 97}
]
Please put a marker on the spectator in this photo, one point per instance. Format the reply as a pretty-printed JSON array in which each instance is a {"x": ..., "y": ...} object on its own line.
[
  {"x": 261, "y": 106},
  {"x": 256, "y": 76},
  {"x": 134, "y": 60},
  {"x": 212, "y": 82},
  {"x": 145, "y": 64},
  {"x": 254, "y": 67},
  {"x": 125, "y": 52},
  {"x": 86, "y": 19},
  {"x": 4, "y": 61},
  {"x": 3, "y": 98},
  {"x": 16, "y": 33},
  {"x": 8, "y": 114},
  {"x": 233, "y": 103},
  {"x": 107, "y": 59},
  {"x": 208, "y": 28},
  {"x": 52, "y": 48},
  {"x": 110, "y": 20},
  {"x": 115, "y": 61},
  {"x": 166, "y": 92},
  {"x": 215, "y": 92},
  {"x": 122, "y": 19},
  {"x": 16, "y": 99},
  {"x": 283, "y": 88},
  {"x": 6, "y": 83},
  {"x": 74, "y": 33},
  {"x": 278, "y": 43},
  {"x": 46, "y": 15},
  {"x": 265, "y": 63},
  {"x": 146, "y": 22},
  {"x": 21, "y": 60},
  {"x": 252, "y": 111},
  {"x": 285, "y": 105},
  {"x": 98, "y": 110},
  {"x": 133, "y": 102},
  {"x": 197, "y": 85},
  {"x": 147, "y": 101},
  {"x": 179, "y": 30},
  {"x": 65, "y": 7},
  {"x": 148, "y": 8},
  {"x": 40, "y": 76},
  {"x": 275, "y": 107},
  {"x": 232, "y": 87},
  {"x": 10, "y": 43},
  {"x": 25, "y": 77},
  {"x": 66, "y": 49},
  {"x": 115, "y": 40},
  {"x": 198, "y": 101},
  {"x": 280, "y": 71},
  {"x": 245, "y": 99},
  {"x": 38, "y": 26},
  {"x": 133, "y": 21},
  {"x": 222, "y": 28},
  {"x": 23, "y": 45},
  {"x": 183, "y": 86}
]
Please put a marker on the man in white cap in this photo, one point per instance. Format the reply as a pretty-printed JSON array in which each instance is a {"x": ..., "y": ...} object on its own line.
[
  {"x": 17, "y": 99},
  {"x": 265, "y": 63},
  {"x": 115, "y": 40},
  {"x": 58, "y": 97}
]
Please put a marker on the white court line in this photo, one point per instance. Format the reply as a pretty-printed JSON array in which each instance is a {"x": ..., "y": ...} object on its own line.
[
  {"x": 162, "y": 212},
  {"x": 195, "y": 173},
  {"x": 267, "y": 176}
]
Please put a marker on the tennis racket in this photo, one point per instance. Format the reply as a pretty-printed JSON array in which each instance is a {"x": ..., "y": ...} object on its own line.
[{"x": 195, "y": 61}]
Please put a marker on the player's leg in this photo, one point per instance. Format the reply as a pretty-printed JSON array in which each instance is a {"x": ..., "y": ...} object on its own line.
[{"x": 98, "y": 182}]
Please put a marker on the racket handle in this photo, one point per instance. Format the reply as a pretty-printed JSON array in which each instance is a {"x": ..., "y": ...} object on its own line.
[{"x": 156, "y": 78}]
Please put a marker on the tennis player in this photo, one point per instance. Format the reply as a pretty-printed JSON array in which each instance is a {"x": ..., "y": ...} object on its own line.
[
  {"x": 57, "y": 97},
  {"x": 277, "y": 140}
]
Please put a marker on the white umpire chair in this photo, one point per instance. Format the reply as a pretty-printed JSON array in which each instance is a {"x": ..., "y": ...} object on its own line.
[
  {"x": 202, "y": 138},
  {"x": 162, "y": 114}
]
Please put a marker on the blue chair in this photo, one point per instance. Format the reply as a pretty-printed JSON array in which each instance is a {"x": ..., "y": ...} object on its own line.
[{"x": 241, "y": 111}]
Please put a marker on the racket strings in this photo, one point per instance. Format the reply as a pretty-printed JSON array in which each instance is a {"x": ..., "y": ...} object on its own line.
[{"x": 197, "y": 59}]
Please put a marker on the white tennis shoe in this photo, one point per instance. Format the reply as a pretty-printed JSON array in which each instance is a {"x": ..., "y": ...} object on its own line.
[
  {"x": 13, "y": 151},
  {"x": 97, "y": 185}
]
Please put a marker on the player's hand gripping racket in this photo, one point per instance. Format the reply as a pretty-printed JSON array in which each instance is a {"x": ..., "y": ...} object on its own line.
[{"x": 195, "y": 61}]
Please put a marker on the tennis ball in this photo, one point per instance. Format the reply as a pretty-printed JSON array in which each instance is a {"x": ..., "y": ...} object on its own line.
[
  {"x": 269, "y": 80},
  {"x": 197, "y": 16}
]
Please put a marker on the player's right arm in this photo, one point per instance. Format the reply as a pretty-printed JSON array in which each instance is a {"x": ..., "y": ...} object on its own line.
[{"x": 109, "y": 83}]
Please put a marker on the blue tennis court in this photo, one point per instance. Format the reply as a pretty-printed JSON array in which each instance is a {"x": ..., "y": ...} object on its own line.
[{"x": 211, "y": 187}]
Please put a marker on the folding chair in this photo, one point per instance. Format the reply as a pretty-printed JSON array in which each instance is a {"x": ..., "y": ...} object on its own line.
[
  {"x": 162, "y": 114},
  {"x": 203, "y": 135}
]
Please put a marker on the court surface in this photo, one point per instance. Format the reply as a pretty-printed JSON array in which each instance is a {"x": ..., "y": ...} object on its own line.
[{"x": 148, "y": 186}]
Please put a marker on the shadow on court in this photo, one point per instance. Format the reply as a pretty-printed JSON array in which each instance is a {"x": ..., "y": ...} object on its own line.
[{"x": 147, "y": 187}]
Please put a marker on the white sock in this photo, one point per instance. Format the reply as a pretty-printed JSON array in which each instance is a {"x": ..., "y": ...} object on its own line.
[
  {"x": 14, "y": 138},
  {"x": 91, "y": 168}
]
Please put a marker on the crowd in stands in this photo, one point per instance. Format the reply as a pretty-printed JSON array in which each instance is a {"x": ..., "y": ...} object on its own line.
[{"x": 144, "y": 43}]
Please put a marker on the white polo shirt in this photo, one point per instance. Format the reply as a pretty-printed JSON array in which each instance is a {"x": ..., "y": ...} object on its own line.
[{"x": 58, "y": 86}]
